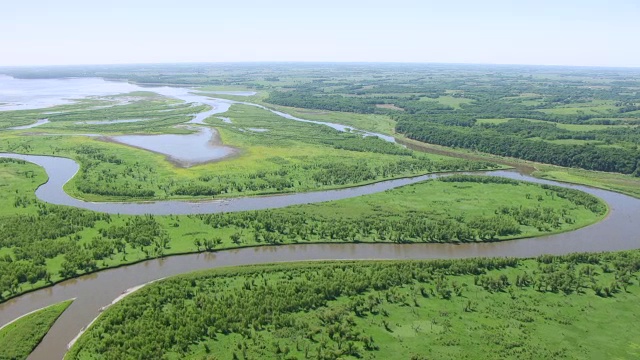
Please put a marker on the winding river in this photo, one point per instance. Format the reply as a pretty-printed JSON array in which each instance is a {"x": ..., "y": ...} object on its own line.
[{"x": 618, "y": 231}]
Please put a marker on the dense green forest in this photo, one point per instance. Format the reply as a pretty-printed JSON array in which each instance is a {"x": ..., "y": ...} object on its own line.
[
  {"x": 429, "y": 114},
  {"x": 539, "y": 308},
  {"x": 506, "y": 140}
]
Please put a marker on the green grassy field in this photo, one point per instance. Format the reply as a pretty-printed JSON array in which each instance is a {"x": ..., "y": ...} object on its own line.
[
  {"x": 18, "y": 181},
  {"x": 592, "y": 107},
  {"x": 625, "y": 184},
  {"x": 382, "y": 124},
  {"x": 571, "y": 127},
  {"x": 290, "y": 157},
  {"x": 581, "y": 306},
  {"x": 18, "y": 339},
  {"x": 378, "y": 123},
  {"x": 452, "y": 101}
]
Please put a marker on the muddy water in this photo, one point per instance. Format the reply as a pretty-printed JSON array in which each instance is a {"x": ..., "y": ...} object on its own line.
[{"x": 616, "y": 232}]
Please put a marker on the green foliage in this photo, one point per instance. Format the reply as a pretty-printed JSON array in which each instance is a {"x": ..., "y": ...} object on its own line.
[
  {"x": 367, "y": 309},
  {"x": 510, "y": 144},
  {"x": 48, "y": 243},
  {"x": 18, "y": 339}
]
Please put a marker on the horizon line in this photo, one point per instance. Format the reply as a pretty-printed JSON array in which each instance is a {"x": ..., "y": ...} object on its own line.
[{"x": 334, "y": 62}]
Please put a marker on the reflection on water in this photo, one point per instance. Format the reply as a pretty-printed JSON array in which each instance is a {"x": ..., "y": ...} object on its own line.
[
  {"x": 185, "y": 150},
  {"x": 21, "y": 94}
]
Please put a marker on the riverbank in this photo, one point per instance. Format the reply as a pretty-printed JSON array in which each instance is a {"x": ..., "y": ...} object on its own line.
[{"x": 387, "y": 310}]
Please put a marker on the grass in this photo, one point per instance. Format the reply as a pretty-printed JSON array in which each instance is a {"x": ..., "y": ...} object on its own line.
[
  {"x": 593, "y": 107},
  {"x": 571, "y": 127},
  {"x": 18, "y": 181},
  {"x": 382, "y": 124},
  {"x": 492, "y": 121},
  {"x": 625, "y": 184},
  {"x": 419, "y": 313},
  {"x": 158, "y": 113},
  {"x": 431, "y": 202},
  {"x": 19, "y": 338},
  {"x": 454, "y": 102},
  {"x": 289, "y": 148},
  {"x": 438, "y": 201},
  {"x": 573, "y": 142},
  {"x": 589, "y": 127}
]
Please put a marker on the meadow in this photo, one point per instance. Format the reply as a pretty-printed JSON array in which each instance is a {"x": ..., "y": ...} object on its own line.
[{"x": 283, "y": 156}]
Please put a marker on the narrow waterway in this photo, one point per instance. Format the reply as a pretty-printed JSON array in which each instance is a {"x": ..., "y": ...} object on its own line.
[{"x": 616, "y": 232}]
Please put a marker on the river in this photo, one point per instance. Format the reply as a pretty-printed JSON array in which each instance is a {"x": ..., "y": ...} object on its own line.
[{"x": 617, "y": 231}]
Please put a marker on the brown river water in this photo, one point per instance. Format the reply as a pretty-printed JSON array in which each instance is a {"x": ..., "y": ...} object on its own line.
[{"x": 618, "y": 231}]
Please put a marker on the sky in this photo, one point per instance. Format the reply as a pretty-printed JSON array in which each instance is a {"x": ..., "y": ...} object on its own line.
[{"x": 540, "y": 32}]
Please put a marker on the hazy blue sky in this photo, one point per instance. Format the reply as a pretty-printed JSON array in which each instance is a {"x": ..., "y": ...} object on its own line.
[{"x": 558, "y": 32}]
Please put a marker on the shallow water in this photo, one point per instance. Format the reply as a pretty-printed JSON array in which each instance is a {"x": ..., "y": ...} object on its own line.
[
  {"x": 40, "y": 93},
  {"x": 236, "y": 93},
  {"x": 186, "y": 150},
  {"x": 22, "y": 94},
  {"x": 30, "y": 126}
]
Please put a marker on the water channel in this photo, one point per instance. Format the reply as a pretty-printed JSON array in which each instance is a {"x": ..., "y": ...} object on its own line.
[{"x": 618, "y": 231}]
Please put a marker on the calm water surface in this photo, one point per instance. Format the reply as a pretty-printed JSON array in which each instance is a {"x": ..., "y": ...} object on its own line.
[
  {"x": 617, "y": 232},
  {"x": 185, "y": 150}
]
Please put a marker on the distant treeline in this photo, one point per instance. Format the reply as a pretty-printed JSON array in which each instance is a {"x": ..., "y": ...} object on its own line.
[{"x": 590, "y": 157}]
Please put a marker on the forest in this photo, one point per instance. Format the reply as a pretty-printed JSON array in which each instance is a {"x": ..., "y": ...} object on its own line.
[
  {"x": 504, "y": 141},
  {"x": 578, "y": 125},
  {"x": 410, "y": 309},
  {"x": 42, "y": 243}
]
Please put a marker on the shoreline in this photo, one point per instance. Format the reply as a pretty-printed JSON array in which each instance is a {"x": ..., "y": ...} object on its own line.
[
  {"x": 32, "y": 312},
  {"x": 126, "y": 293}
]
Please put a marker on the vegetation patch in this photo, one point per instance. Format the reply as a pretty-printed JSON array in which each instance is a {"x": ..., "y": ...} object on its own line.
[
  {"x": 548, "y": 307},
  {"x": 19, "y": 338},
  {"x": 42, "y": 243}
]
